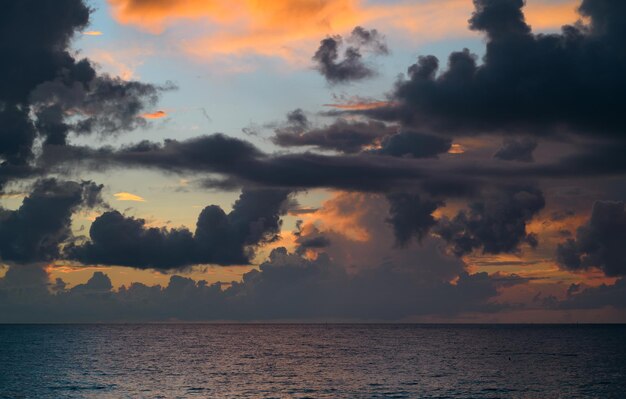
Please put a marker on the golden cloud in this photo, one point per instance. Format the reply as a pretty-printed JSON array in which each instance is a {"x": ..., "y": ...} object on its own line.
[{"x": 123, "y": 196}]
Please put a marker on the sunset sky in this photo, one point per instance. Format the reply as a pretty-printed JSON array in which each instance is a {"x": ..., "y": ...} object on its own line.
[{"x": 322, "y": 160}]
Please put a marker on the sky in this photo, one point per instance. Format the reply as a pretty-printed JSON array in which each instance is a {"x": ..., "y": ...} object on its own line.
[{"x": 313, "y": 160}]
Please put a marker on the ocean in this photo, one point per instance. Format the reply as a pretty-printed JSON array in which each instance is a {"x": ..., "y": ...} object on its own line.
[{"x": 312, "y": 361}]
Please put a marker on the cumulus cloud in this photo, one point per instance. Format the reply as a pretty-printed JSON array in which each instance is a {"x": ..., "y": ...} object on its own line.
[
  {"x": 599, "y": 243},
  {"x": 286, "y": 286},
  {"x": 496, "y": 223},
  {"x": 541, "y": 84},
  {"x": 359, "y": 233},
  {"x": 219, "y": 238}
]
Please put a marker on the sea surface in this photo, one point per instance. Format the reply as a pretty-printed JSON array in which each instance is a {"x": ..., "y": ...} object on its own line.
[{"x": 312, "y": 361}]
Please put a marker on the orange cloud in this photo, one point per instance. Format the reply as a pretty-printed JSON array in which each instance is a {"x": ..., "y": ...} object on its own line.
[
  {"x": 343, "y": 214},
  {"x": 456, "y": 149},
  {"x": 291, "y": 29},
  {"x": 356, "y": 106},
  {"x": 542, "y": 16},
  {"x": 93, "y": 33},
  {"x": 255, "y": 15},
  {"x": 155, "y": 115}
]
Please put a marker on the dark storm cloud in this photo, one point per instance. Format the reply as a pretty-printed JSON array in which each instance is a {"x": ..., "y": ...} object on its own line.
[
  {"x": 240, "y": 163},
  {"x": 351, "y": 67},
  {"x": 599, "y": 243},
  {"x": 411, "y": 215},
  {"x": 220, "y": 238},
  {"x": 594, "y": 159},
  {"x": 205, "y": 153},
  {"x": 34, "y": 232},
  {"x": 495, "y": 223},
  {"x": 310, "y": 170},
  {"x": 516, "y": 150},
  {"x": 42, "y": 83},
  {"x": 243, "y": 164},
  {"x": 17, "y": 135},
  {"x": 528, "y": 83},
  {"x": 287, "y": 286},
  {"x": 34, "y": 42},
  {"x": 118, "y": 240}
]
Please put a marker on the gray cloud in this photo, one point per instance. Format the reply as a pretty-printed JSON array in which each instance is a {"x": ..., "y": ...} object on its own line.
[
  {"x": 599, "y": 243},
  {"x": 287, "y": 286},
  {"x": 351, "y": 67},
  {"x": 411, "y": 216},
  {"x": 341, "y": 135},
  {"x": 413, "y": 144},
  {"x": 496, "y": 223},
  {"x": 516, "y": 150},
  {"x": 597, "y": 297},
  {"x": 35, "y": 231}
]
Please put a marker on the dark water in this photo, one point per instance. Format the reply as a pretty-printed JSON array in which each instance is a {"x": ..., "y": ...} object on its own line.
[{"x": 315, "y": 361}]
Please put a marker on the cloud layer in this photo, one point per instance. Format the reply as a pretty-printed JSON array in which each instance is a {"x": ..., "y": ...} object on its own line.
[{"x": 412, "y": 212}]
